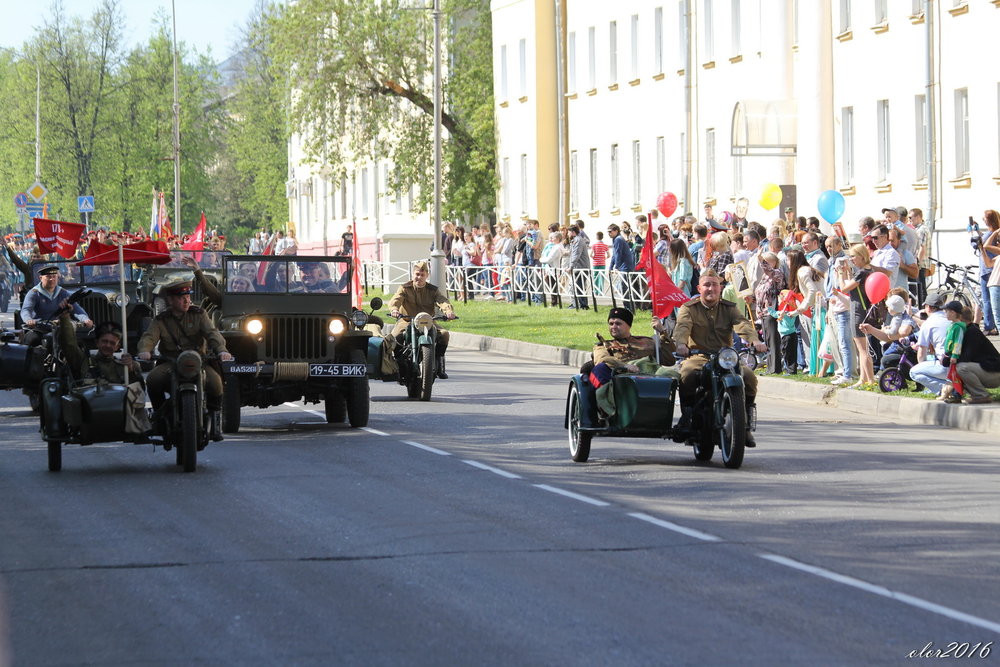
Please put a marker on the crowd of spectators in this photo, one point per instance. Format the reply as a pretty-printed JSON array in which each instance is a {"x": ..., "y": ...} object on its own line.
[{"x": 807, "y": 292}]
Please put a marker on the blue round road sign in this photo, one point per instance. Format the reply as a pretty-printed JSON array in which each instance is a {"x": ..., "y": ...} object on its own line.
[{"x": 21, "y": 200}]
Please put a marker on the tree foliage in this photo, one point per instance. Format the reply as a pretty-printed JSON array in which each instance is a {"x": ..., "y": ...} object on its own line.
[{"x": 362, "y": 82}]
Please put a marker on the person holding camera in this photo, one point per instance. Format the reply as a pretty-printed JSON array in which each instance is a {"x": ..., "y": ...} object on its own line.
[{"x": 988, "y": 249}]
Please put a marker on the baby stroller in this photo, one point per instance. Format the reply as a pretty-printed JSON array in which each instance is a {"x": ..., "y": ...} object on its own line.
[{"x": 897, "y": 360}]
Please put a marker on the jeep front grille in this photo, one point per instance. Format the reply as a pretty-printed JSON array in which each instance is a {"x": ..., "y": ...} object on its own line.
[
  {"x": 295, "y": 338},
  {"x": 100, "y": 309}
]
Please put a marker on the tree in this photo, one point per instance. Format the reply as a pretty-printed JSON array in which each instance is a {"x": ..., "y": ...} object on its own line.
[{"x": 362, "y": 81}]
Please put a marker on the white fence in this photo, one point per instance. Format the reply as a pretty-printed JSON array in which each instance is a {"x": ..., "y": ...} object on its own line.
[{"x": 532, "y": 284}]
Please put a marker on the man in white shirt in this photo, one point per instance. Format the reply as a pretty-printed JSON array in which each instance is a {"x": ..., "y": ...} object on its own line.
[
  {"x": 931, "y": 373},
  {"x": 885, "y": 259}
]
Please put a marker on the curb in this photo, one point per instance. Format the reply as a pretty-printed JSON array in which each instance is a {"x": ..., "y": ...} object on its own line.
[{"x": 978, "y": 418}]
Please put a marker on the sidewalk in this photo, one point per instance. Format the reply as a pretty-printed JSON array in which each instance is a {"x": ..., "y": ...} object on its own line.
[{"x": 979, "y": 418}]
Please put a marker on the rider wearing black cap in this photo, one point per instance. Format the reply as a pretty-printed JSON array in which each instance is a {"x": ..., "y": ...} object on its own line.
[{"x": 624, "y": 348}]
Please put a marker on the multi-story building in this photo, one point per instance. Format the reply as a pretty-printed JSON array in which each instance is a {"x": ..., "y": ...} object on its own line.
[{"x": 601, "y": 106}]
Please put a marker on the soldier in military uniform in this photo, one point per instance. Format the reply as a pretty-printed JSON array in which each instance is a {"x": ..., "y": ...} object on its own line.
[
  {"x": 624, "y": 348},
  {"x": 420, "y": 296},
  {"x": 183, "y": 327},
  {"x": 705, "y": 324},
  {"x": 102, "y": 366},
  {"x": 45, "y": 301}
]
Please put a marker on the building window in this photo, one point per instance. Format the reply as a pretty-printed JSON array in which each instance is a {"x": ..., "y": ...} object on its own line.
[
  {"x": 661, "y": 165},
  {"x": 682, "y": 33},
  {"x": 658, "y": 39},
  {"x": 343, "y": 199},
  {"x": 636, "y": 174},
  {"x": 962, "y": 132},
  {"x": 591, "y": 58},
  {"x": 881, "y": 12},
  {"x": 613, "y": 53},
  {"x": 845, "y": 16},
  {"x": 635, "y": 46},
  {"x": 399, "y": 194},
  {"x": 505, "y": 185},
  {"x": 571, "y": 65},
  {"x": 709, "y": 43},
  {"x": 574, "y": 182},
  {"x": 920, "y": 124},
  {"x": 847, "y": 143},
  {"x": 882, "y": 139},
  {"x": 524, "y": 183},
  {"x": 503, "y": 72},
  {"x": 594, "y": 177},
  {"x": 917, "y": 7},
  {"x": 522, "y": 63},
  {"x": 738, "y": 173},
  {"x": 736, "y": 25},
  {"x": 710, "y": 163},
  {"x": 364, "y": 192},
  {"x": 615, "y": 179}
]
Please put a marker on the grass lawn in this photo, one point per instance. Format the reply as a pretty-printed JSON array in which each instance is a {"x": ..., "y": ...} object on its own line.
[{"x": 574, "y": 329}]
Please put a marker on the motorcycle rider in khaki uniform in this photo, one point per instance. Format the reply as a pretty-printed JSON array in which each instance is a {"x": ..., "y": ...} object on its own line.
[
  {"x": 183, "y": 327},
  {"x": 420, "y": 296},
  {"x": 706, "y": 324}
]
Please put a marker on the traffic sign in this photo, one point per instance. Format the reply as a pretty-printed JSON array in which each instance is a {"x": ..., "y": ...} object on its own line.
[
  {"x": 85, "y": 204},
  {"x": 37, "y": 191},
  {"x": 35, "y": 210},
  {"x": 20, "y": 199}
]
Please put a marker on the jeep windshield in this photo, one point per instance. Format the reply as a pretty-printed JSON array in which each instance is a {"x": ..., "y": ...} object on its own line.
[
  {"x": 100, "y": 275},
  {"x": 69, "y": 272},
  {"x": 288, "y": 275},
  {"x": 205, "y": 259}
]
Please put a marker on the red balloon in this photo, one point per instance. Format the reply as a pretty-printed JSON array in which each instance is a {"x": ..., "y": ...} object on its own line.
[
  {"x": 666, "y": 204},
  {"x": 877, "y": 286}
]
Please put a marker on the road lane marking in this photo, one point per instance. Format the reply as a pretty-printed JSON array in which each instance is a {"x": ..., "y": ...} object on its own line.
[
  {"x": 498, "y": 471},
  {"x": 374, "y": 431},
  {"x": 690, "y": 532},
  {"x": 426, "y": 448},
  {"x": 884, "y": 592},
  {"x": 305, "y": 409},
  {"x": 574, "y": 496}
]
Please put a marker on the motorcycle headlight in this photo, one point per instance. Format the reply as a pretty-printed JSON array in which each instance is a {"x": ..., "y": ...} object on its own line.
[
  {"x": 728, "y": 358},
  {"x": 337, "y": 326},
  {"x": 423, "y": 320},
  {"x": 359, "y": 318},
  {"x": 254, "y": 326},
  {"x": 188, "y": 364}
]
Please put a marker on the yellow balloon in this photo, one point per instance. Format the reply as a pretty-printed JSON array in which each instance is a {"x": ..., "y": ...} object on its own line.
[{"x": 771, "y": 197}]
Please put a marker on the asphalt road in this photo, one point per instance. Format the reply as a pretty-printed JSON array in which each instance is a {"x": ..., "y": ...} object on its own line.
[{"x": 459, "y": 532}]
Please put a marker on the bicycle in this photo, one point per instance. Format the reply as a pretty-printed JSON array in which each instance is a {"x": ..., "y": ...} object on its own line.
[{"x": 956, "y": 285}]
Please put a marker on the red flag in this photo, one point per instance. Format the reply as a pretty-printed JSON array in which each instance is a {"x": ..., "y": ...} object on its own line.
[
  {"x": 57, "y": 236},
  {"x": 954, "y": 379},
  {"x": 197, "y": 240},
  {"x": 143, "y": 252},
  {"x": 356, "y": 269},
  {"x": 663, "y": 293}
]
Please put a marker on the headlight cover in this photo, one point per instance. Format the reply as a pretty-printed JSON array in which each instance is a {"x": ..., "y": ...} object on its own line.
[
  {"x": 337, "y": 326},
  {"x": 728, "y": 358},
  {"x": 255, "y": 326},
  {"x": 423, "y": 320},
  {"x": 359, "y": 318},
  {"x": 188, "y": 364}
]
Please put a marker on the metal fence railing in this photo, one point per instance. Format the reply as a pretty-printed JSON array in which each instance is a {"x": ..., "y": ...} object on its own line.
[{"x": 529, "y": 284}]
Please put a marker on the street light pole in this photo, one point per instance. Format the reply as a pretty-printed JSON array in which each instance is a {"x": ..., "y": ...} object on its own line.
[
  {"x": 437, "y": 255},
  {"x": 177, "y": 133}
]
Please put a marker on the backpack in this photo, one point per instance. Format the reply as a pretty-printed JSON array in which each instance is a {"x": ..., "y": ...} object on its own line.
[{"x": 695, "y": 277}]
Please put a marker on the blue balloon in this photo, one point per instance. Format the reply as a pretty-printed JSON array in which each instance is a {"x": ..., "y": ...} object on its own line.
[{"x": 831, "y": 206}]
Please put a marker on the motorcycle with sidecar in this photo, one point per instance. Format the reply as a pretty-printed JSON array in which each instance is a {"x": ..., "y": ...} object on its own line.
[
  {"x": 416, "y": 355},
  {"x": 644, "y": 408}
]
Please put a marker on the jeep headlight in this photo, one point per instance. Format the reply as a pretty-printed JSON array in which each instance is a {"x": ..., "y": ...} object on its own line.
[
  {"x": 423, "y": 320},
  {"x": 255, "y": 326},
  {"x": 359, "y": 318},
  {"x": 188, "y": 364},
  {"x": 728, "y": 358},
  {"x": 337, "y": 326},
  {"x": 116, "y": 299}
]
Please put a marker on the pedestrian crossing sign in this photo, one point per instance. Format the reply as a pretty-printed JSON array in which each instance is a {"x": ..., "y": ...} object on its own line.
[{"x": 85, "y": 204}]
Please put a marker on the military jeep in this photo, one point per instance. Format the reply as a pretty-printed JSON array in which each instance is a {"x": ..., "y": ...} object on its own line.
[
  {"x": 154, "y": 277},
  {"x": 289, "y": 325}
]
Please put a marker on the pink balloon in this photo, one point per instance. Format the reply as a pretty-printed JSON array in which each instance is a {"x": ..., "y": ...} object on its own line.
[
  {"x": 877, "y": 286},
  {"x": 666, "y": 204}
]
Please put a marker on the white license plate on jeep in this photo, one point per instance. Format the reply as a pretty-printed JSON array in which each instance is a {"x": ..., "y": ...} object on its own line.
[
  {"x": 338, "y": 370},
  {"x": 250, "y": 369}
]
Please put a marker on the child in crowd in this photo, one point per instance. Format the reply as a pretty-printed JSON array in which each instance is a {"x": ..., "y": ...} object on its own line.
[
  {"x": 959, "y": 319},
  {"x": 787, "y": 319}
]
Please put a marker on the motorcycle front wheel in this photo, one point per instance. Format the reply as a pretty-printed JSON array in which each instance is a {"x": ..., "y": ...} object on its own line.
[
  {"x": 188, "y": 453},
  {"x": 426, "y": 371},
  {"x": 732, "y": 428}
]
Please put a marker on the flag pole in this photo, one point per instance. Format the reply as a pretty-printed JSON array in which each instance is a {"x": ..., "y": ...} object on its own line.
[{"x": 121, "y": 296}]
